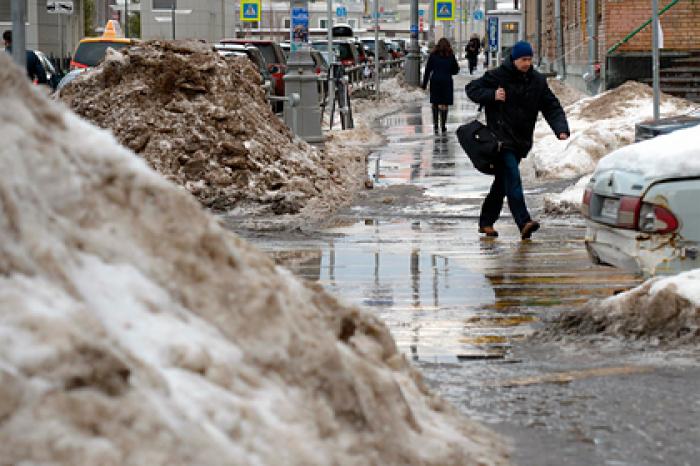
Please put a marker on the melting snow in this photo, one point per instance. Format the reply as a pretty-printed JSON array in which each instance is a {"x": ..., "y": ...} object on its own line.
[{"x": 135, "y": 330}]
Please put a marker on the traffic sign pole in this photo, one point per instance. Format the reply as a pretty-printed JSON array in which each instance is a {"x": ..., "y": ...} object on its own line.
[{"x": 18, "y": 13}]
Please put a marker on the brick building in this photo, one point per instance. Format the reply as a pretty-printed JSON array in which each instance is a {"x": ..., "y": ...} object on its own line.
[{"x": 615, "y": 19}]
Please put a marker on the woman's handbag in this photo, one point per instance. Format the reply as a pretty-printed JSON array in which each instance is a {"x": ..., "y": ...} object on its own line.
[{"x": 481, "y": 145}]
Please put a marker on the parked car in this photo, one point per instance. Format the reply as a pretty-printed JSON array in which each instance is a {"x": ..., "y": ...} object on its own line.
[
  {"x": 320, "y": 62},
  {"x": 69, "y": 77},
  {"x": 286, "y": 48},
  {"x": 641, "y": 204},
  {"x": 394, "y": 50},
  {"x": 361, "y": 51},
  {"x": 383, "y": 53},
  {"x": 252, "y": 53},
  {"x": 274, "y": 57},
  {"x": 91, "y": 50},
  {"x": 52, "y": 76},
  {"x": 344, "y": 51}
]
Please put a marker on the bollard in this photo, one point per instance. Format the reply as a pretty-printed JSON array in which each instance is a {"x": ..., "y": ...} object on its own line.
[{"x": 303, "y": 114}]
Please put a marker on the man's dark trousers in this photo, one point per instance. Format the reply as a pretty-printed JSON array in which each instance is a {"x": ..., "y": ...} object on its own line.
[{"x": 507, "y": 184}]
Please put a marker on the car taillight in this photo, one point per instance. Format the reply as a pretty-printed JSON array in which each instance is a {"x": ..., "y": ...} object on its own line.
[
  {"x": 586, "y": 204},
  {"x": 347, "y": 62},
  {"x": 657, "y": 219},
  {"x": 628, "y": 212},
  {"x": 318, "y": 70}
]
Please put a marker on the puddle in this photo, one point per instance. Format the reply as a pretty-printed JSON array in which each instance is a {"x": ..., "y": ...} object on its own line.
[{"x": 410, "y": 252}]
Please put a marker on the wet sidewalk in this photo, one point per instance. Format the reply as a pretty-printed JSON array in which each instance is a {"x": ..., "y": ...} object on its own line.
[{"x": 460, "y": 306}]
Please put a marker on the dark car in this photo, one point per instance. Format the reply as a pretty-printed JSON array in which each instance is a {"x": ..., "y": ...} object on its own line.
[
  {"x": 344, "y": 51},
  {"x": 252, "y": 53},
  {"x": 360, "y": 49},
  {"x": 274, "y": 57}
]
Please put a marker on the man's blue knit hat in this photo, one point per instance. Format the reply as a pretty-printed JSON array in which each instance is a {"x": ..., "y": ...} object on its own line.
[{"x": 521, "y": 49}]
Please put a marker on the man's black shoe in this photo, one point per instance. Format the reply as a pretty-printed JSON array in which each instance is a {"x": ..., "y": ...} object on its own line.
[{"x": 529, "y": 228}]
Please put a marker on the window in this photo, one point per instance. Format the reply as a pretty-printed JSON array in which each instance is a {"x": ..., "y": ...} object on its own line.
[
  {"x": 287, "y": 23},
  {"x": 164, "y": 4},
  {"x": 352, "y": 23},
  {"x": 323, "y": 23}
]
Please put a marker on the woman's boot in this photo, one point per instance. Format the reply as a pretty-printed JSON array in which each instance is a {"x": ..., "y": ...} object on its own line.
[
  {"x": 435, "y": 119},
  {"x": 443, "y": 120}
]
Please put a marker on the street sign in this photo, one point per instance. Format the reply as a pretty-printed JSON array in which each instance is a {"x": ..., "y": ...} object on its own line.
[
  {"x": 341, "y": 11},
  {"x": 414, "y": 29},
  {"x": 445, "y": 10},
  {"x": 59, "y": 8},
  {"x": 478, "y": 15},
  {"x": 421, "y": 12},
  {"x": 493, "y": 32},
  {"x": 250, "y": 10}
]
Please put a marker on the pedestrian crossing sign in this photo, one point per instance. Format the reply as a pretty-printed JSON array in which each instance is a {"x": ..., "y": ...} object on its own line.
[
  {"x": 445, "y": 10},
  {"x": 250, "y": 10}
]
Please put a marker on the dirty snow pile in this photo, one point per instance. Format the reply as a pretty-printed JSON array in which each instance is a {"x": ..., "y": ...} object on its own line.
[
  {"x": 135, "y": 330},
  {"x": 203, "y": 121},
  {"x": 394, "y": 94},
  {"x": 568, "y": 202},
  {"x": 661, "y": 309},
  {"x": 566, "y": 94},
  {"x": 598, "y": 125}
]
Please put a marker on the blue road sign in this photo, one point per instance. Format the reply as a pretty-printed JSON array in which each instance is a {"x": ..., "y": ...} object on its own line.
[
  {"x": 414, "y": 29},
  {"x": 444, "y": 10},
  {"x": 421, "y": 12},
  {"x": 478, "y": 15},
  {"x": 493, "y": 32},
  {"x": 250, "y": 10},
  {"x": 341, "y": 11}
]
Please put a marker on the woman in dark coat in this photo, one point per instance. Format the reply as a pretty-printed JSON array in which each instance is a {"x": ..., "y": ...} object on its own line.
[{"x": 441, "y": 66}]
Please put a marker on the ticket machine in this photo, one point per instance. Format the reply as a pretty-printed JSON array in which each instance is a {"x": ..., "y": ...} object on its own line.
[{"x": 503, "y": 28}]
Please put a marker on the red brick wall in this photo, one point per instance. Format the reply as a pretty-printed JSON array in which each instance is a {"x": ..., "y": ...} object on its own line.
[{"x": 680, "y": 24}]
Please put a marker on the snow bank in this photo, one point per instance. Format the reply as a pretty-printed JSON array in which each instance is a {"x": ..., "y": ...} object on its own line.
[
  {"x": 566, "y": 94},
  {"x": 661, "y": 157},
  {"x": 567, "y": 202},
  {"x": 203, "y": 122},
  {"x": 664, "y": 309},
  {"x": 136, "y": 331},
  {"x": 599, "y": 125}
]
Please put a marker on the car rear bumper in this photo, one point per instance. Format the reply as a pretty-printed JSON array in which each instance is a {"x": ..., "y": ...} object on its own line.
[{"x": 641, "y": 253}]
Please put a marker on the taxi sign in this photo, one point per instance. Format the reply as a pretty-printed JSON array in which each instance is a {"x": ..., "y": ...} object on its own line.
[
  {"x": 112, "y": 30},
  {"x": 445, "y": 10},
  {"x": 250, "y": 10}
]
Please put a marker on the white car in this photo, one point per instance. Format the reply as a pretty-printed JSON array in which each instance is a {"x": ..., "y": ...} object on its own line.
[{"x": 642, "y": 205}]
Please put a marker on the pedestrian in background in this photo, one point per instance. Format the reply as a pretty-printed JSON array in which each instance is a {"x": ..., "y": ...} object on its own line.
[
  {"x": 35, "y": 70},
  {"x": 439, "y": 69},
  {"x": 473, "y": 47},
  {"x": 513, "y": 95}
]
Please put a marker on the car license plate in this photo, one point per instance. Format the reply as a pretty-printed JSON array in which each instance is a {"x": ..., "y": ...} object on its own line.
[{"x": 610, "y": 208}]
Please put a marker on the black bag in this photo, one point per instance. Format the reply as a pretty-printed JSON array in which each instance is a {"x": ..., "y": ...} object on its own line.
[{"x": 481, "y": 145}]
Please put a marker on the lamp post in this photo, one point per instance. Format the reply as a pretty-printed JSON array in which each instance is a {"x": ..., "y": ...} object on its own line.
[
  {"x": 19, "y": 13},
  {"x": 655, "y": 55},
  {"x": 413, "y": 57}
]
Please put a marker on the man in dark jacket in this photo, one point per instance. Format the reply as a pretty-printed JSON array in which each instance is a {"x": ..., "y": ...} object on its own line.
[
  {"x": 513, "y": 95},
  {"x": 35, "y": 70},
  {"x": 472, "y": 49}
]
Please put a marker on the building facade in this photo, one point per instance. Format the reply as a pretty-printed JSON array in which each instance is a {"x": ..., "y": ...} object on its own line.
[{"x": 53, "y": 34}]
